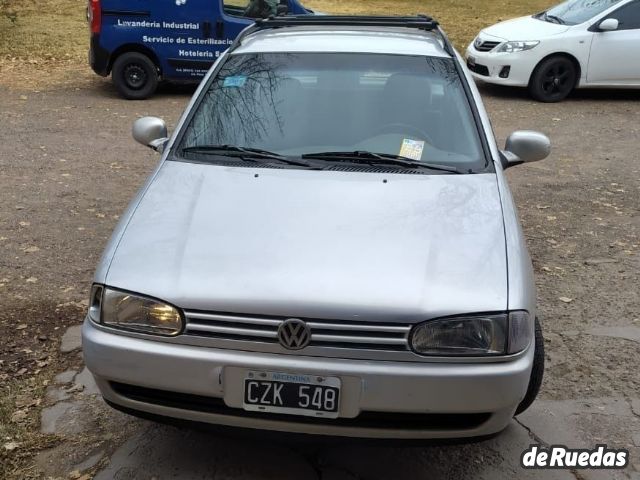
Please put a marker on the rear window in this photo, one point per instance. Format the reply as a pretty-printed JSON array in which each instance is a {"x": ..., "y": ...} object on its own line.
[{"x": 300, "y": 103}]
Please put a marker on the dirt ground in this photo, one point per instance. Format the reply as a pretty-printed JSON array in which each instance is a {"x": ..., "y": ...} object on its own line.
[{"x": 68, "y": 167}]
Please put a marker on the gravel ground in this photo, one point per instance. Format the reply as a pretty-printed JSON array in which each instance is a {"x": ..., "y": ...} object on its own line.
[{"x": 68, "y": 167}]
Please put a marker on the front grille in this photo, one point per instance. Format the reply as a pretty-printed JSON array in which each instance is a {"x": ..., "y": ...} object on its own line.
[
  {"x": 486, "y": 46},
  {"x": 366, "y": 419},
  {"x": 324, "y": 333}
]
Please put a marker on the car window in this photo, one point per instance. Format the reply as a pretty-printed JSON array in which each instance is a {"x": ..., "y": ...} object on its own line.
[
  {"x": 628, "y": 16},
  {"x": 574, "y": 12},
  {"x": 302, "y": 103}
]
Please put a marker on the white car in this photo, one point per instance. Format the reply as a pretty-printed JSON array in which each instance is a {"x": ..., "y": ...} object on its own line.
[{"x": 577, "y": 44}]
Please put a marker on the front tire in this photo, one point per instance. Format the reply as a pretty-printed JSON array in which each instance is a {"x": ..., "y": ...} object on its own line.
[
  {"x": 135, "y": 76},
  {"x": 537, "y": 373},
  {"x": 553, "y": 79}
]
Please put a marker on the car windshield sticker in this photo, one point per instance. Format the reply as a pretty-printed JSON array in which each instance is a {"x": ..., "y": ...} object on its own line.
[
  {"x": 234, "y": 82},
  {"x": 412, "y": 149}
]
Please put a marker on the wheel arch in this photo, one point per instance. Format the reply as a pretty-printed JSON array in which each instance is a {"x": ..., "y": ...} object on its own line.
[
  {"x": 135, "y": 47},
  {"x": 568, "y": 55}
]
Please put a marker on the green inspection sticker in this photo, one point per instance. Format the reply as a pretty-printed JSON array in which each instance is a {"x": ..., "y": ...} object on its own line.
[{"x": 236, "y": 81}]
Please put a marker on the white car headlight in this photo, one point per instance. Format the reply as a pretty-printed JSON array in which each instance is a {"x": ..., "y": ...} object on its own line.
[
  {"x": 474, "y": 335},
  {"x": 513, "y": 47},
  {"x": 128, "y": 311}
]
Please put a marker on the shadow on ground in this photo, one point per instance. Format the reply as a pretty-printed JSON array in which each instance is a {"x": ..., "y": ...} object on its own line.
[{"x": 594, "y": 95}]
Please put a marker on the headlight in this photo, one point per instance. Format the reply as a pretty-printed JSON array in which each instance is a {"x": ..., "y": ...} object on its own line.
[
  {"x": 473, "y": 335},
  {"x": 135, "y": 313},
  {"x": 513, "y": 47}
]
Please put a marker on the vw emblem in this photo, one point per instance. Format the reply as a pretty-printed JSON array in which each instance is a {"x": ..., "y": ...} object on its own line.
[{"x": 294, "y": 334}]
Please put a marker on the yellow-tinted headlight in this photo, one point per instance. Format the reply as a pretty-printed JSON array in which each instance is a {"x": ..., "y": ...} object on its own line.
[{"x": 128, "y": 311}]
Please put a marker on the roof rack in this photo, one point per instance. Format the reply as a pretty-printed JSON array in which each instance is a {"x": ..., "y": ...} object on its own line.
[{"x": 420, "y": 22}]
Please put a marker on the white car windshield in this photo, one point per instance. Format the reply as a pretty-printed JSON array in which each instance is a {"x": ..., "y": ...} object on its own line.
[
  {"x": 574, "y": 12},
  {"x": 295, "y": 104}
]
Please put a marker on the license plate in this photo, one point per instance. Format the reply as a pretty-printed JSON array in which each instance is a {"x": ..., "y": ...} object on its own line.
[{"x": 293, "y": 394}]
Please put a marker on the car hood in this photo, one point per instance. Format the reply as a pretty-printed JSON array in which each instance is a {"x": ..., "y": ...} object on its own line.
[
  {"x": 523, "y": 28},
  {"x": 316, "y": 244}
]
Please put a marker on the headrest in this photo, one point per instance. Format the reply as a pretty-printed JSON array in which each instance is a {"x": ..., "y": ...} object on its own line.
[{"x": 409, "y": 85}]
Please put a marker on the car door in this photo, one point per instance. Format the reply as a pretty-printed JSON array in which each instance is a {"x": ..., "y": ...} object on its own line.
[{"x": 615, "y": 55}]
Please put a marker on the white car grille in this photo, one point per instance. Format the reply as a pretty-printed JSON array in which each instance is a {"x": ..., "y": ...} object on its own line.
[
  {"x": 485, "y": 46},
  {"x": 324, "y": 333}
]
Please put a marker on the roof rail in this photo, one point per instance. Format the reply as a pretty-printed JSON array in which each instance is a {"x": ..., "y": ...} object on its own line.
[{"x": 420, "y": 22}]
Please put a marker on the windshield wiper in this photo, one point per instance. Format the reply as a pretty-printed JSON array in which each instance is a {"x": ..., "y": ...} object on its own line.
[
  {"x": 244, "y": 153},
  {"x": 371, "y": 158},
  {"x": 554, "y": 19}
]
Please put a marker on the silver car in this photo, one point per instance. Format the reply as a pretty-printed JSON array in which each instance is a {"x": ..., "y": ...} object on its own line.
[{"x": 328, "y": 246}]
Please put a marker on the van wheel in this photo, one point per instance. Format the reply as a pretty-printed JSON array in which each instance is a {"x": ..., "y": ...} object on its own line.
[
  {"x": 553, "y": 79},
  {"x": 537, "y": 372},
  {"x": 135, "y": 76}
]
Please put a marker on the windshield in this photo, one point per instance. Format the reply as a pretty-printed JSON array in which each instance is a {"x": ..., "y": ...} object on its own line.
[
  {"x": 305, "y": 103},
  {"x": 574, "y": 12}
]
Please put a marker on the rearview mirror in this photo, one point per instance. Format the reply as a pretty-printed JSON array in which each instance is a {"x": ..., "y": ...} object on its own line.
[
  {"x": 150, "y": 132},
  {"x": 525, "y": 146},
  {"x": 609, "y": 25}
]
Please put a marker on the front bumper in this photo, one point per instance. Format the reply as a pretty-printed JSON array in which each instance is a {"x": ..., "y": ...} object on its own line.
[
  {"x": 487, "y": 66},
  {"x": 177, "y": 381}
]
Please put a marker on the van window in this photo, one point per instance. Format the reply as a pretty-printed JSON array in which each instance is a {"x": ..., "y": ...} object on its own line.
[{"x": 251, "y": 8}]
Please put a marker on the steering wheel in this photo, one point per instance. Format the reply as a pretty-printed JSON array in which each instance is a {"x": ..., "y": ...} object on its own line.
[{"x": 404, "y": 128}]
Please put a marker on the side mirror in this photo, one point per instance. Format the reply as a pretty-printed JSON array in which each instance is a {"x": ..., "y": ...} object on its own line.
[
  {"x": 609, "y": 25},
  {"x": 525, "y": 146},
  {"x": 150, "y": 132}
]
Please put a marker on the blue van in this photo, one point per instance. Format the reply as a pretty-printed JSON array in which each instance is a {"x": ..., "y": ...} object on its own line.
[{"x": 140, "y": 42}]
